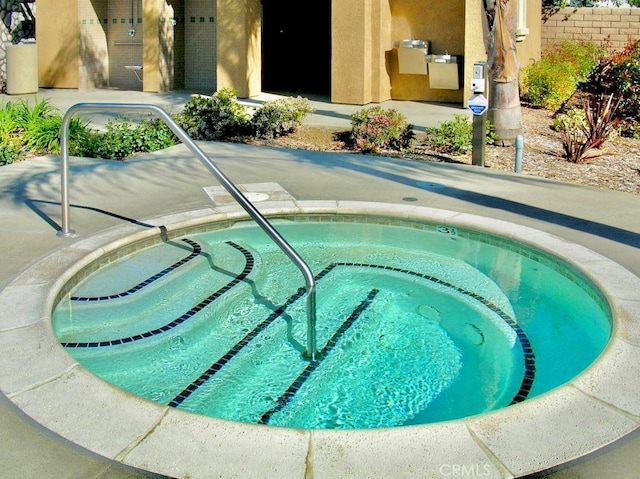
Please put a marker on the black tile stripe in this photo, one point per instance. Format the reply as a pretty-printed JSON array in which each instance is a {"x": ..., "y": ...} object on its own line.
[
  {"x": 293, "y": 389},
  {"x": 219, "y": 364},
  {"x": 215, "y": 367},
  {"x": 249, "y": 263},
  {"x": 197, "y": 249},
  {"x": 525, "y": 344}
]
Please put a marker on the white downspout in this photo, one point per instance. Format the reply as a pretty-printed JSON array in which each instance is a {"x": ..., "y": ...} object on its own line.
[{"x": 522, "y": 31}]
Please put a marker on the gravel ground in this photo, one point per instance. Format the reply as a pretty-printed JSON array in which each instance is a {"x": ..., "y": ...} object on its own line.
[{"x": 616, "y": 168}]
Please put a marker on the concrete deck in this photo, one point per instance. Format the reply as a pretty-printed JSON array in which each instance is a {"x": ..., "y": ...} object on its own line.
[{"x": 107, "y": 194}]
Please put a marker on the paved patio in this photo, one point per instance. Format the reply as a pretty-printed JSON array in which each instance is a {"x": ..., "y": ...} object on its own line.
[{"x": 106, "y": 194}]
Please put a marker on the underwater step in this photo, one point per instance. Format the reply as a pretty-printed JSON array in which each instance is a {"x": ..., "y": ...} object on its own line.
[
  {"x": 291, "y": 391},
  {"x": 273, "y": 358},
  {"x": 149, "y": 307}
]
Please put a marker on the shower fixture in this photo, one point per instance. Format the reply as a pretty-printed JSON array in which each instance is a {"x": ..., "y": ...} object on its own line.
[{"x": 133, "y": 15}]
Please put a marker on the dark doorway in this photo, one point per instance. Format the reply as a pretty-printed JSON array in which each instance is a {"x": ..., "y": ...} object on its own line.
[{"x": 296, "y": 46}]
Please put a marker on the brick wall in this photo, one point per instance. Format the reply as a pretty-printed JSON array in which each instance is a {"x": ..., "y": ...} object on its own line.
[{"x": 596, "y": 24}]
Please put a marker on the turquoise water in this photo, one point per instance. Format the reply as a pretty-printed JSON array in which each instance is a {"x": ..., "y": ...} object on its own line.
[{"x": 415, "y": 325}]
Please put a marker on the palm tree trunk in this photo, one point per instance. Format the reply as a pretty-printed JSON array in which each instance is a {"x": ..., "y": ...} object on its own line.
[{"x": 504, "y": 97}]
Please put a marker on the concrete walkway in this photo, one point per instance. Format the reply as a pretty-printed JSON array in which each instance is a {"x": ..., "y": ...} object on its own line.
[
  {"x": 107, "y": 193},
  {"x": 326, "y": 114}
]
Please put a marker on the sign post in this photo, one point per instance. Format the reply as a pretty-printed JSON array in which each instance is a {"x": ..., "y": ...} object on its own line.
[{"x": 478, "y": 104}]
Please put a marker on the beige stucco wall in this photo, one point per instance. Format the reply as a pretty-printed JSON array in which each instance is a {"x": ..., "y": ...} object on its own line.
[
  {"x": 476, "y": 33},
  {"x": 166, "y": 43},
  {"x": 57, "y": 42},
  {"x": 151, "y": 44},
  {"x": 529, "y": 50},
  {"x": 238, "y": 46},
  {"x": 87, "y": 45},
  {"x": 381, "y": 51},
  {"x": 364, "y": 60},
  {"x": 350, "y": 51}
]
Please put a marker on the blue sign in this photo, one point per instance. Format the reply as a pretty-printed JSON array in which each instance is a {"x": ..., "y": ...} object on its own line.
[
  {"x": 478, "y": 104},
  {"x": 478, "y": 109}
]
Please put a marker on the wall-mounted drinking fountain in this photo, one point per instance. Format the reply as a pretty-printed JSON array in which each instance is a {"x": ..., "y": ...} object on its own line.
[
  {"x": 442, "y": 58},
  {"x": 444, "y": 73},
  {"x": 415, "y": 58},
  {"x": 412, "y": 56}
]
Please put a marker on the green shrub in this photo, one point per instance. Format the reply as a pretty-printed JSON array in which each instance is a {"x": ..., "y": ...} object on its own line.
[
  {"x": 572, "y": 120},
  {"x": 43, "y": 136},
  {"x": 26, "y": 128},
  {"x": 216, "y": 117},
  {"x": 27, "y": 117},
  {"x": 8, "y": 147},
  {"x": 36, "y": 129},
  {"x": 280, "y": 117},
  {"x": 545, "y": 85},
  {"x": 8, "y": 153},
  {"x": 117, "y": 142},
  {"x": 375, "y": 128},
  {"x": 549, "y": 82},
  {"x": 630, "y": 130},
  {"x": 22, "y": 125},
  {"x": 124, "y": 138},
  {"x": 455, "y": 136},
  {"x": 154, "y": 134},
  {"x": 7, "y": 119}
]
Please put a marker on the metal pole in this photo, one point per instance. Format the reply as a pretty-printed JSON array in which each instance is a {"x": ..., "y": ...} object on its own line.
[
  {"x": 65, "y": 230},
  {"x": 311, "y": 349},
  {"x": 479, "y": 139},
  {"x": 519, "y": 148}
]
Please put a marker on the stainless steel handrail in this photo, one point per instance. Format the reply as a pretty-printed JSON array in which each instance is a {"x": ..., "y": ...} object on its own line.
[{"x": 66, "y": 231}]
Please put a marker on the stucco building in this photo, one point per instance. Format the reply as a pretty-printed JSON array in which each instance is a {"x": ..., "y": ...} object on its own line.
[{"x": 348, "y": 50}]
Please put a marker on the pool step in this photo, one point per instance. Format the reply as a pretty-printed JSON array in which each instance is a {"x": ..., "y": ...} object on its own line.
[{"x": 313, "y": 365}]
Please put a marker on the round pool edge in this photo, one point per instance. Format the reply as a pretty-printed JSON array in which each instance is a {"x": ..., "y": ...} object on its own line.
[{"x": 593, "y": 410}]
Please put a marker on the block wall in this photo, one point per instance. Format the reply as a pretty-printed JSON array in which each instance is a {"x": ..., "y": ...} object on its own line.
[{"x": 596, "y": 24}]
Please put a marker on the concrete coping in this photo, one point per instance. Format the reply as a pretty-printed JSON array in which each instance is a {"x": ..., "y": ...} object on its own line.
[{"x": 594, "y": 409}]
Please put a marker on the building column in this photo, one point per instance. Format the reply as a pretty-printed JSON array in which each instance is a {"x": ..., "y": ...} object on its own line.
[
  {"x": 239, "y": 53},
  {"x": 360, "y": 36},
  {"x": 151, "y": 44},
  {"x": 58, "y": 47},
  {"x": 381, "y": 48}
]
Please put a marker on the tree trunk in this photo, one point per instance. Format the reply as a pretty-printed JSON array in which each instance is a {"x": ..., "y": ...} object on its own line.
[{"x": 504, "y": 97}]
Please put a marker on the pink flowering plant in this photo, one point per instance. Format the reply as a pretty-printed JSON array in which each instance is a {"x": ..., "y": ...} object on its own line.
[{"x": 374, "y": 129}]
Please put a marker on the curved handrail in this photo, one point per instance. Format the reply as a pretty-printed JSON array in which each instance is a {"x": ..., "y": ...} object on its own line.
[{"x": 66, "y": 231}]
